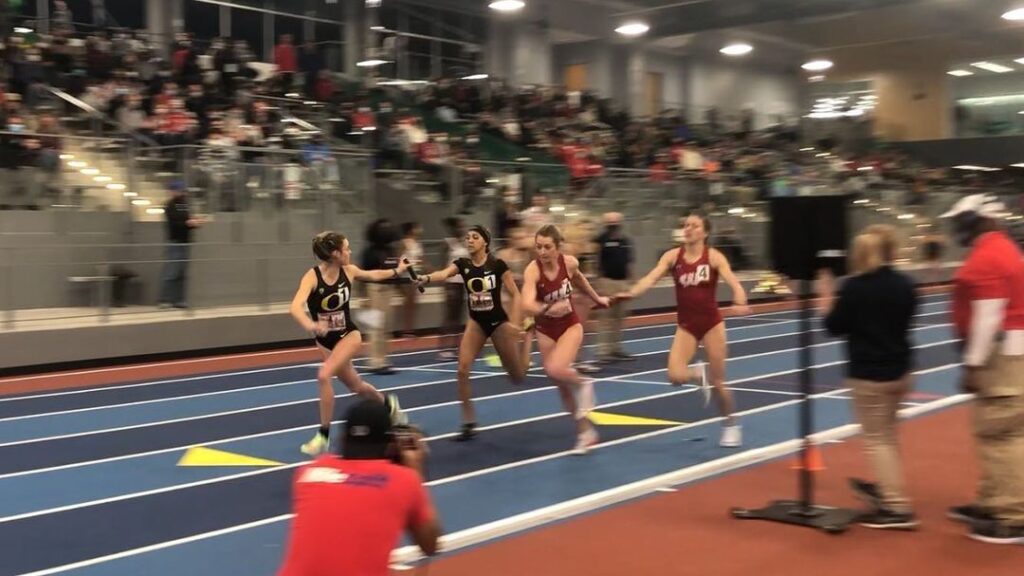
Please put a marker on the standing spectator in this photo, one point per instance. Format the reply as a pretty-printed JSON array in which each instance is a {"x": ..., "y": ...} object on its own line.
[
  {"x": 350, "y": 509},
  {"x": 988, "y": 312},
  {"x": 380, "y": 237},
  {"x": 180, "y": 224},
  {"x": 412, "y": 250},
  {"x": 874, "y": 312},
  {"x": 614, "y": 263},
  {"x": 454, "y": 293},
  {"x": 62, "y": 21},
  {"x": 287, "y": 61}
]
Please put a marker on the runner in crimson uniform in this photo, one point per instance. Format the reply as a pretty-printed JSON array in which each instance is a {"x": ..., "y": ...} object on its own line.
[
  {"x": 547, "y": 294},
  {"x": 695, "y": 269}
]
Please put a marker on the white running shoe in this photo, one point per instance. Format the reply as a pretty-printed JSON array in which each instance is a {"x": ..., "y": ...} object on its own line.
[
  {"x": 732, "y": 436},
  {"x": 315, "y": 447},
  {"x": 585, "y": 399},
  {"x": 584, "y": 441}
]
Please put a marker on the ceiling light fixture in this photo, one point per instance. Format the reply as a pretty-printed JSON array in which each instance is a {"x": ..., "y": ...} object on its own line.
[
  {"x": 738, "y": 49},
  {"x": 997, "y": 68},
  {"x": 817, "y": 65},
  {"x": 507, "y": 5},
  {"x": 632, "y": 29},
  {"x": 960, "y": 73},
  {"x": 1016, "y": 14}
]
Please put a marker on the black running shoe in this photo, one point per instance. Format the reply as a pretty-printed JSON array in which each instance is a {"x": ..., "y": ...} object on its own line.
[
  {"x": 886, "y": 520},
  {"x": 969, "y": 514},
  {"x": 995, "y": 532},
  {"x": 467, "y": 433}
]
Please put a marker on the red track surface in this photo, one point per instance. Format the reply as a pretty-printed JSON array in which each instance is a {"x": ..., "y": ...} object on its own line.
[{"x": 690, "y": 532}]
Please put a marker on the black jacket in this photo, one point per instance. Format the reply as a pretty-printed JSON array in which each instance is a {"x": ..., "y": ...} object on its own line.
[{"x": 874, "y": 312}]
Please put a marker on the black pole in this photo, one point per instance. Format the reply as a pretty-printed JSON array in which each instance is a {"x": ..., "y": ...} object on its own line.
[{"x": 806, "y": 415}]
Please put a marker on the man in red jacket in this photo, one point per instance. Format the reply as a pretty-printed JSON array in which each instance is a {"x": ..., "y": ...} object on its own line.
[
  {"x": 351, "y": 510},
  {"x": 988, "y": 311}
]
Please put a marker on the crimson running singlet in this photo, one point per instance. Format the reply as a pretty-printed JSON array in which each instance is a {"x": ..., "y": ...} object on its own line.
[
  {"x": 696, "y": 284},
  {"x": 551, "y": 291}
]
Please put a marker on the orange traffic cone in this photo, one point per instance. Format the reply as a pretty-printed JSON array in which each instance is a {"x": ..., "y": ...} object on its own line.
[{"x": 810, "y": 460}]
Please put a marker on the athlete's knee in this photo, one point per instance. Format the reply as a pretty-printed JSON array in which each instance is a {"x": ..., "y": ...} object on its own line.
[
  {"x": 558, "y": 371},
  {"x": 463, "y": 372},
  {"x": 323, "y": 376},
  {"x": 678, "y": 375}
]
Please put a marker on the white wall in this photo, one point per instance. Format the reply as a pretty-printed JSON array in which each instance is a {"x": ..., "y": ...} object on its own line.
[
  {"x": 734, "y": 87},
  {"x": 520, "y": 54},
  {"x": 532, "y": 56}
]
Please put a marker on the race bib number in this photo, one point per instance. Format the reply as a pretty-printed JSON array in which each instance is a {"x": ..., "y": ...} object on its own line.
[
  {"x": 334, "y": 321},
  {"x": 481, "y": 302}
]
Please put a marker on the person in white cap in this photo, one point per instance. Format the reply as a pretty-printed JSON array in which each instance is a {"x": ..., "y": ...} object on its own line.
[{"x": 988, "y": 312}]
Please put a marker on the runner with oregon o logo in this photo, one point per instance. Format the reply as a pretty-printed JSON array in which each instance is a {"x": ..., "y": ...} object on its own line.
[
  {"x": 321, "y": 307},
  {"x": 483, "y": 276}
]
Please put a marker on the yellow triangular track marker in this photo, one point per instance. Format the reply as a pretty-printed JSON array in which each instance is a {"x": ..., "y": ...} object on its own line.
[
  {"x": 606, "y": 419},
  {"x": 200, "y": 456}
]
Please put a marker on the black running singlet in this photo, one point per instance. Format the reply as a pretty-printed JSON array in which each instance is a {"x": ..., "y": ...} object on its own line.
[
  {"x": 329, "y": 303},
  {"x": 483, "y": 289}
]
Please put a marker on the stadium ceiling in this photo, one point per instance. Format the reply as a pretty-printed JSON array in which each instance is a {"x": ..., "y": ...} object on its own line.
[{"x": 677, "y": 17}]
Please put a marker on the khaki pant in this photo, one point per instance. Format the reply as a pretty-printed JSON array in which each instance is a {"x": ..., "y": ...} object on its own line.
[
  {"x": 876, "y": 404},
  {"x": 999, "y": 435},
  {"x": 380, "y": 301},
  {"x": 609, "y": 322}
]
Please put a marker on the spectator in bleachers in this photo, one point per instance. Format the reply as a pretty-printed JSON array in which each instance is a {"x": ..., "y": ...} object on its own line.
[
  {"x": 311, "y": 63},
  {"x": 287, "y": 61}
]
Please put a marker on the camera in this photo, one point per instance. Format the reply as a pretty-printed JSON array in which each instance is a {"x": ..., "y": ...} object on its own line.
[{"x": 406, "y": 437}]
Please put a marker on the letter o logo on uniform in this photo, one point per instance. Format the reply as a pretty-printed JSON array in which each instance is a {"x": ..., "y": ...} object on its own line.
[{"x": 335, "y": 300}]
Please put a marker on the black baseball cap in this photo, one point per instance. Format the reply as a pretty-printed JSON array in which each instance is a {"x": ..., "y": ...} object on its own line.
[{"x": 367, "y": 430}]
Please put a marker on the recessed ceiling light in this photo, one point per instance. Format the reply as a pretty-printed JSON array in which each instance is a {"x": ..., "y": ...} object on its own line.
[
  {"x": 737, "y": 49},
  {"x": 633, "y": 29},
  {"x": 507, "y": 5},
  {"x": 1015, "y": 14},
  {"x": 370, "y": 63},
  {"x": 960, "y": 73},
  {"x": 817, "y": 78},
  {"x": 991, "y": 67},
  {"x": 817, "y": 65},
  {"x": 475, "y": 77}
]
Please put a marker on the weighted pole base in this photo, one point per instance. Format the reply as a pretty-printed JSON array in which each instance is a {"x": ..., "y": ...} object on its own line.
[{"x": 825, "y": 518}]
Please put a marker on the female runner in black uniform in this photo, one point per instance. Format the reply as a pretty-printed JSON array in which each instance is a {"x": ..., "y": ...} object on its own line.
[
  {"x": 325, "y": 291},
  {"x": 484, "y": 275}
]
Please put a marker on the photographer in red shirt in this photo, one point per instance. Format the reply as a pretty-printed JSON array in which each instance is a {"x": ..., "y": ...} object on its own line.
[
  {"x": 350, "y": 510},
  {"x": 988, "y": 311}
]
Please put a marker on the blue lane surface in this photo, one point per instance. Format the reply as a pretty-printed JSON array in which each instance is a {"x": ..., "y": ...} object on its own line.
[{"x": 111, "y": 528}]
